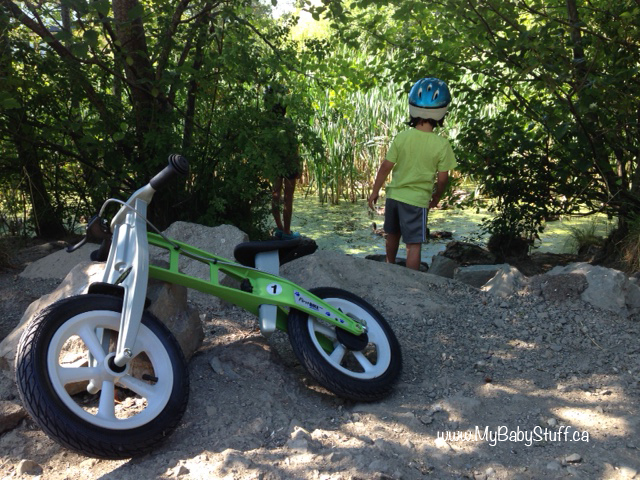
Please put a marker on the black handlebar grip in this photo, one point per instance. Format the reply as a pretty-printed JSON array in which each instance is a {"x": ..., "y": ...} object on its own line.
[{"x": 177, "y": 165}]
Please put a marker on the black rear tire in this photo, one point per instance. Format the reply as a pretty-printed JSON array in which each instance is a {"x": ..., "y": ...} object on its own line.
[
  {"x": 356, "y": 368},
  {"x": 153, "y": 390}
]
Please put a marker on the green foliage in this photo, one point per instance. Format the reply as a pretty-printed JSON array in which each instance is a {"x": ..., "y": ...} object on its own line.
[
  {"x": 581, "y": 239},
  {"x": 544, "y": 117},
  {"x": 545, "y": 95},
  {"x": 630, "y": 245},
  {"x": 91, "y": 109}
]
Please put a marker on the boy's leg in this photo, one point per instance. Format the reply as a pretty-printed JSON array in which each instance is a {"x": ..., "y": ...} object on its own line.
[
  {"x": 391, "y": 245},
  {"x": 275, "y": 202},
  {"x": 413, "y": 224},
  {"x": 392, "y": 229},
  {"x": 413, "y": 255}
]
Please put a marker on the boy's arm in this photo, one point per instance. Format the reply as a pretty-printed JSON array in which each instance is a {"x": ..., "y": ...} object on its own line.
[
  {"x": 441, "y": 184},
  {"x": 381, "y": 176}
]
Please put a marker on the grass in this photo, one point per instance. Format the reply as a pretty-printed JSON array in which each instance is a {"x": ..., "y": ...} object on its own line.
[{"x": 582, "y": 237}]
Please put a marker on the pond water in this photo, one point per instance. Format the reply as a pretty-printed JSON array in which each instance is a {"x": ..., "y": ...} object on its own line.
[{"x": 347, "y": 228}]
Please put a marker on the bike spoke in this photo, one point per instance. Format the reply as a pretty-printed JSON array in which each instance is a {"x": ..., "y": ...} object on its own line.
[
  {"x": 138, "y": 386},
  {"x": 68, "y": 375},
  {"x": 325, "y": 330},
  {"x": 338, "y": 354},
  {"x": 364, "y": 361},
  {"x": 91, "y": 341},
  {"x": 107, "y": 406}
]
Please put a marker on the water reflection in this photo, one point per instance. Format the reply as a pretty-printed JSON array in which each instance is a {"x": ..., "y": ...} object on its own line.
[{"x": 348, "y": 228}]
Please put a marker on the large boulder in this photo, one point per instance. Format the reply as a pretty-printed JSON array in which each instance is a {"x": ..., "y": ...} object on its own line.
[
  {"x": 468, "y": 254},
  {"x": 367, "y": 278},
  {"x": 168, "y": 303},
  {"x": 58, "y": 264},
  {"x": 478, "y": 275},
  {"x": 607, "y": 288},
  {"x": 506, "y": 282},
  {"x": 443, "y": 266},
  {"x": 220, "y": 241},
  {"x": 75, "y": 283}
]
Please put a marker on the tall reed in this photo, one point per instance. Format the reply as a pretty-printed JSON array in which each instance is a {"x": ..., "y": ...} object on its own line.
[{"x": 356, "y": 128}]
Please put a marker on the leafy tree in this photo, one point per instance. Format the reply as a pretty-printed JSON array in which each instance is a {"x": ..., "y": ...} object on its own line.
[
  {"x": 546, "y": 94},
  {"x": 102, "y": 91}
]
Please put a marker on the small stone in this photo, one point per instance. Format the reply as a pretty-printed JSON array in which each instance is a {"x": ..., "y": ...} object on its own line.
[
  {"x": 181, "y": 470},
  {"x": 216, "y": 365},
  {"x": 10, "y": 415},
  {"x": 442, "y": 444},
  {"x": 573, "y": 458},
  {"x": 28, "y": 467}
]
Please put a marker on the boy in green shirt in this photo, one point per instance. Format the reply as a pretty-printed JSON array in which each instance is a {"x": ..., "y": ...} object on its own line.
[{"x": 420, "y": 161}]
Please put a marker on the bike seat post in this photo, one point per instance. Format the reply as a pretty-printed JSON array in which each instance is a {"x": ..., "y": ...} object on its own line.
[{"x": 268, "y": 262}]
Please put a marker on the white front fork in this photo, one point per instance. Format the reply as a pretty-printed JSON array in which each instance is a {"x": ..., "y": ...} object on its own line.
[{"x": 128, "y": 266}]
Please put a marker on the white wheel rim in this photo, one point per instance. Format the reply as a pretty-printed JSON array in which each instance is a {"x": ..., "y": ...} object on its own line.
[
  {"x": 377, "y": 339},
  {"x": 85, "y": 326}
]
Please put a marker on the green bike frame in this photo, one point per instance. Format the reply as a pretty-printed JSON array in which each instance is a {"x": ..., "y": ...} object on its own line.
[{"x": 257, "y": 288}]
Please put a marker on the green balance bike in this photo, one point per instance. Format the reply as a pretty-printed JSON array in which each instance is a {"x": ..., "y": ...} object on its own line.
[{"x": 79, "y": 357}]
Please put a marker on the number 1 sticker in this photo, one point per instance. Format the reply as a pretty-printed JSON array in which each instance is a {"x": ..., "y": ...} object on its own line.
[{"x": 274, "y": 289}]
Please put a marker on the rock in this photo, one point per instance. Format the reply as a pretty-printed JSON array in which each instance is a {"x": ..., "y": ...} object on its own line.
[
  {"x": 607, "y": 288},
  {"x": 59, "y": 264},
  {"x": 28, "y": 467},
  {"x": 365, "y": 278},
  {"x": 220, "y": 241},
  {"x": 506, "y": 282},
  {"x": 168, "y": 305},
  {"x": 181, "y": 470},
  {"x": 443, "y": 266},
  {"x": 216, "y": 365},
  {"x": 468, "y": 254},
  {"x": 299, "y": 440},
  {"x": 10, "y": 415},
  {"x": 478, "y": 275},
  {"x": 564, "y": 286},
  {"x": 75, "y": 283},
  {"x": 573, "y": 458}
]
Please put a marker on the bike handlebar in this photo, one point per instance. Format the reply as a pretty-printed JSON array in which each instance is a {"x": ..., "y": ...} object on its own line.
[
  {"x": 98, "y": 229},
  {"x": 178, "y": 165}
]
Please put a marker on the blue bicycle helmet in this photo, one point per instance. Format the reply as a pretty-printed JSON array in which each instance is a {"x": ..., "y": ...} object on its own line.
[{"x": 429, "y": 98}]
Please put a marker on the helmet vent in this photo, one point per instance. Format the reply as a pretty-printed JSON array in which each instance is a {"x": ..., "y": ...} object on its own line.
[{"x": 436, "y": 94}]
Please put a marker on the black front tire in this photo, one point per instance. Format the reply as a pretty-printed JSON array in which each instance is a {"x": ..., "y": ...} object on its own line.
[
  {"x": 360, "y": 369},
  {"x": 130, "y": 412}
]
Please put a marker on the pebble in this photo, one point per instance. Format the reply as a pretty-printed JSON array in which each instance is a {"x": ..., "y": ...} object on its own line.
[
  {"x": 216, "y": 365},
  {"x": 181, "y": 470},
  {"x": 28, "y": 467},
  {"x": 573, "y": 458}
]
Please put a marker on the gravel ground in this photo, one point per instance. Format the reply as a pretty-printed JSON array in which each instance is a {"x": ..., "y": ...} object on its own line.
[{"x": 524, "y": 387}]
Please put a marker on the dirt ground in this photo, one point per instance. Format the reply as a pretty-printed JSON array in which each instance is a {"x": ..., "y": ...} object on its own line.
[{"x": 517, "y": 388}]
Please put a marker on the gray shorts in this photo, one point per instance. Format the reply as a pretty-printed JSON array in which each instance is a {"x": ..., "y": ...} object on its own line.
[{"x": 408, "y": 220}]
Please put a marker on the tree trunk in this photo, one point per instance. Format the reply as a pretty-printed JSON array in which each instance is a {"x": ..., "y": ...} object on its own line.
[{"x": 138, "y": 69}]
